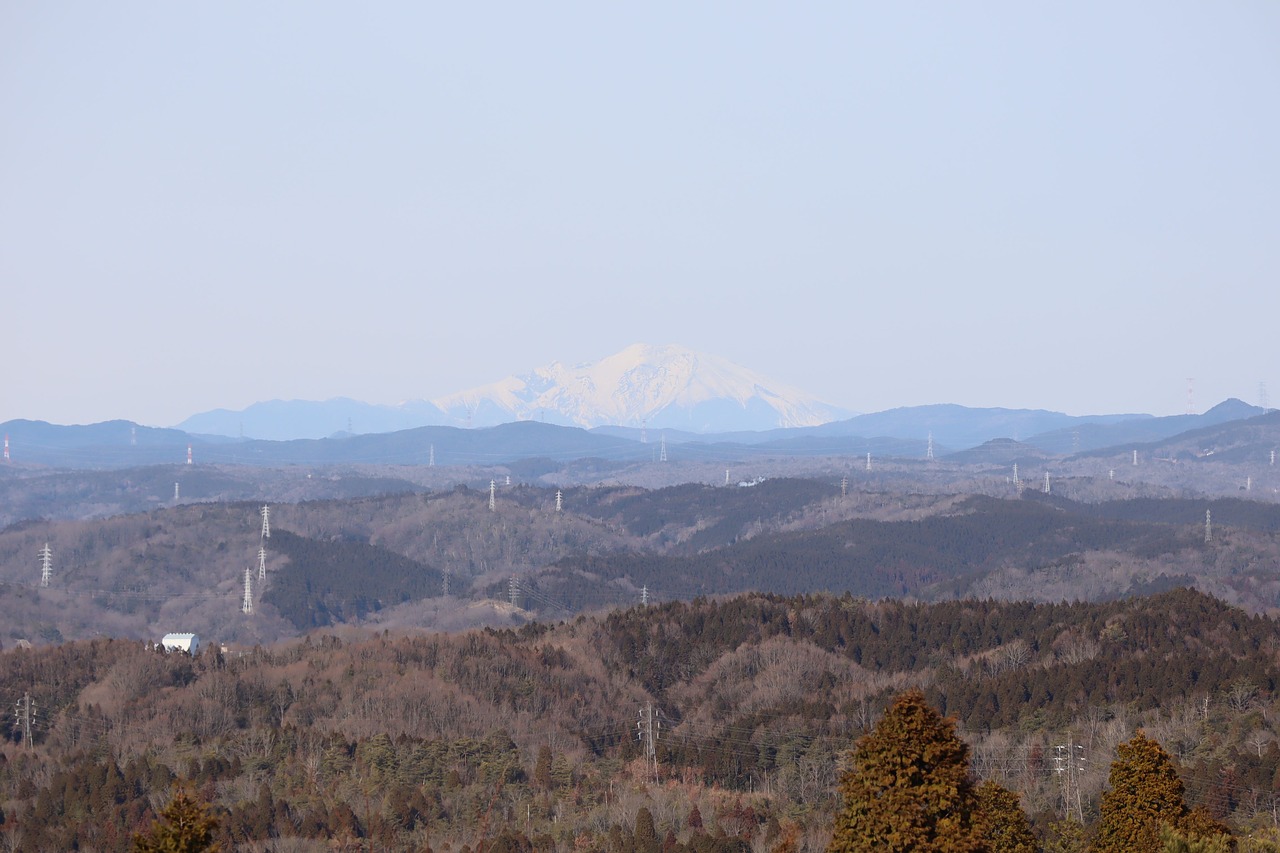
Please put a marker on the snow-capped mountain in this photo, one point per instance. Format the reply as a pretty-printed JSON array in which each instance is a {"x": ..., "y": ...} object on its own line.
[{"x": 659, "y": 386}]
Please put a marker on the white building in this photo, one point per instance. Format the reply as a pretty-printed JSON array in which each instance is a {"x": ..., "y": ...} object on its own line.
[{"x": 188, "y": 643}]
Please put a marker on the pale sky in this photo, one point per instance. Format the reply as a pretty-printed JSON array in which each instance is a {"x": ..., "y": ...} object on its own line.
[{"x": 1067, "y": 206}]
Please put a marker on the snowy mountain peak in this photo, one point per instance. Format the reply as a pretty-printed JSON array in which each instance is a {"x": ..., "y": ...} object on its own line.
[{"x": 658, "y": 385}]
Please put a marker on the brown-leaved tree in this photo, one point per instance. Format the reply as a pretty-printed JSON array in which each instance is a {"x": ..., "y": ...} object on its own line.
[
  {"x": 1145, "y": 798},
  {"x": 908, "y": 786},
  {"x": 185, "y": 826}
]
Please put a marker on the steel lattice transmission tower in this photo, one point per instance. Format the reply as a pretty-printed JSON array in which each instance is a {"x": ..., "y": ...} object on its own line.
[
  {"x": 650, "y": 728},
  {"x": 262, "y": 564},
  {"x": 266, "y": 522},
  {"x": 25, "y": 717},
  {"x": 247, "y": 606},
  {"x": 493, "y": 495},
  {"x": 46, "y": 565}
]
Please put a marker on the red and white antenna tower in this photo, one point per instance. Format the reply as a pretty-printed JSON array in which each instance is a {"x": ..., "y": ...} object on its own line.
[{"x": 188, "y": 454}]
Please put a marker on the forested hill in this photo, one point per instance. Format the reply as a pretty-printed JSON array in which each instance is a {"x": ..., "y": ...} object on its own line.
[
  {"x": 384, "y": 560},
  {"x": 1037, "y": 547},
  {"x": 529, "y": 735}
]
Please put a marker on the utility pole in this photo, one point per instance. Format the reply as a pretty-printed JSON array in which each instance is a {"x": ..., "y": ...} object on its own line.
[
  {"x": 26, "y": 716},
  {"x": 649, "y": 728}
]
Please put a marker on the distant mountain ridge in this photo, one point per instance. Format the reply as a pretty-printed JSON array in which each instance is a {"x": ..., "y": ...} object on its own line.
[
  {"x": 660, "y": 386},
  {"x": 667, "y": 386}
]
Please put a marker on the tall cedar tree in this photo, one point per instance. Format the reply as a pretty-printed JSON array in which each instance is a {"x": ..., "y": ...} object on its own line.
[
  {"x": 1145, "y": 797},
  {"x": 185, "y": 826},
  {"x": 1005, "y": 827},
  {"x": 908, "y": 786}
]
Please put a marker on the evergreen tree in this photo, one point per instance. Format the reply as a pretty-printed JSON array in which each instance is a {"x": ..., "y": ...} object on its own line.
[
  {"x": 1174, "y": 841},
  {"x": 1004, "y": 824},
  {"x": 1145, "y": 798},
  {"x": 542, "y": 768},
  {"x": 185, "y": 826},
  {"x": 1065, "y": 836},
  {"x": 908, "y": 786}
]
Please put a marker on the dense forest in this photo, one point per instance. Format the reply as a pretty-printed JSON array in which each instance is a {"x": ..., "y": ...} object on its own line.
[
  {"x": 448, "y": 559},
  {"x": 527, "y": 738}
]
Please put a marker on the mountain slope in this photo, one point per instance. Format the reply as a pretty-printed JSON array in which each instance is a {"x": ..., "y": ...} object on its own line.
[
  {"x": 661, "y": 386},
  {"x": 284, "y": 420},
  {"x": 1099, "y": 435}
]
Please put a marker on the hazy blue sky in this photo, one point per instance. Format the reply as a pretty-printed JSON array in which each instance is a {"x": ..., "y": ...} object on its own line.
[{"x": 1071, "y": 206}]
